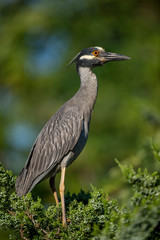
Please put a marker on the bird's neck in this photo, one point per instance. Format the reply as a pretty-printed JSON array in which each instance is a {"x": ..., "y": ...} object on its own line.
[{"x": 88, "y": 88}]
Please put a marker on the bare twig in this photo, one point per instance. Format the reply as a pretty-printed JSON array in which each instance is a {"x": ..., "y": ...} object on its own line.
[
  {"x": 21, "y": 232},
  {"x": 36, "y": 225}
]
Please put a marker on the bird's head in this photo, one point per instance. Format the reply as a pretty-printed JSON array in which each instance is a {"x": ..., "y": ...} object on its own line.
[{"x": 96, "y": 56}]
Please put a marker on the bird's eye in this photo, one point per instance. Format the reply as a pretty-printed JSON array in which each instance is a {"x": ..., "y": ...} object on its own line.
[{"x": 95, "y": 53}]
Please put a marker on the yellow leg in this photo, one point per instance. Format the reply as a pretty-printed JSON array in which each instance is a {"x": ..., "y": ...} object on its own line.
[
  {"x": 62, "y": 190},
  {"x": 52, "y": 184}
]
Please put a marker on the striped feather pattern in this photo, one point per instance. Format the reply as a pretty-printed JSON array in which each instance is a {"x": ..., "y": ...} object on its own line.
[{"x": 58, "y": 137}]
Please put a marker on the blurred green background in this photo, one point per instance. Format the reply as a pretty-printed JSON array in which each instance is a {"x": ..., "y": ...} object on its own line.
[{"x": 37, "y": 40}]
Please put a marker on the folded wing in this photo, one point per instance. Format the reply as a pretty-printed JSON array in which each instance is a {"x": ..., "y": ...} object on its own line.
[{"x": 58, "y": 137}]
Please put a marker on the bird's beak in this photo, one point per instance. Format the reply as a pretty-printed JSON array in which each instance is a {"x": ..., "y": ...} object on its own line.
[{"x": 108, "y": 57}]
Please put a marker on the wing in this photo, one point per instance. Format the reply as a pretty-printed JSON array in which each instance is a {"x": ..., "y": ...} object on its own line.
[{"x": 58, "y": 137}]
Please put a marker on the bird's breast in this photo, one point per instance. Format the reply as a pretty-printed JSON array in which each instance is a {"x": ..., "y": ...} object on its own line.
[{"x": 74, "y": 153}]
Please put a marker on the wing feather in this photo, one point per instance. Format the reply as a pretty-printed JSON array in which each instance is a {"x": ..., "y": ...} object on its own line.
[{"x": 58, "y": 137}]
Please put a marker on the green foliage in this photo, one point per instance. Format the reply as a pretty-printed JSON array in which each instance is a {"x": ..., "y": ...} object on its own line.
[
  {"x": 142, "y": 218},
  {"x": 156, "y": 150},
  {"x": 38, "y": 39},
  {"x": 90, "y": 215}
]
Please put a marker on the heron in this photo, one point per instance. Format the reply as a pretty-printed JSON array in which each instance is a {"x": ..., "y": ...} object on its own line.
[{"x": 64, "y": 136}]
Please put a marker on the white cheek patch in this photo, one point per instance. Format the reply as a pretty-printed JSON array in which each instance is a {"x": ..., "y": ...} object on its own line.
[{"x": 88, "y": 57}]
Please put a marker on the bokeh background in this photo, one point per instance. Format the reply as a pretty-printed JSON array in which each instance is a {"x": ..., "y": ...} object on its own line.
[{"x": 37, "y": 40}]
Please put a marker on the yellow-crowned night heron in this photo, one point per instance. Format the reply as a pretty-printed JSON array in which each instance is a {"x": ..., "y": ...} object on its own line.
[{"x": 64, "y": 136}]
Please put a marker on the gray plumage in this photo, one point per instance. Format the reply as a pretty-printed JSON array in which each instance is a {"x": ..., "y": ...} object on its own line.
[{"x": 64, "y": 136}]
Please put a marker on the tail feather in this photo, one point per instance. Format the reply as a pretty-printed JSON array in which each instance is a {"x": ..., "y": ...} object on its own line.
[{"x": 21, "y": 187}]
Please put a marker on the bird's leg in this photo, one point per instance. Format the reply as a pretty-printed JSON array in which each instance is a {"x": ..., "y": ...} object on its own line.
[
  {"x": 62, "y": 190},
  {"x": 52, "y": 185}
]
